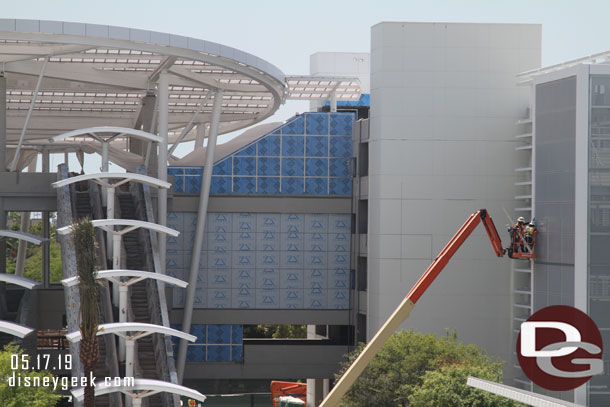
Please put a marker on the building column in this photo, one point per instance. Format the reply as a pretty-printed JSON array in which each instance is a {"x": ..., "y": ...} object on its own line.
[
  {"x": 2, "y": 169},
  {"x": 203, "y": 130},
  {"x": 197, "y": 246},
  {"x": 162, "y": 127}
]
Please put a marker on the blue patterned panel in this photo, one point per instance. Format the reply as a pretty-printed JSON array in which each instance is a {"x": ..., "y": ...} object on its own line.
[
  {"x": 267, "y": 259},
  {"x": 193, "y": 171},
  {"x": 339, "y": 223},
  {"x": 243, "y": 278},
  {"x": 269, "y": 166},
  {"x": 339, "y": 167},
  {"x": 199, "y": 330},
  {"x": 296, "y": 125},
  {"x": 291, "y": 278},
  {"x": 340, "y": 186},
  {"x": 220, "y": 185},
  {"x": 268, "y": 298},
  {"x": 341, "y": 124},
  {"x": 268, "y": 278},
  {"x": 237, "y": 334},
  {"x": 316, "y": 186},
  {"x": 192, "y": 184},
  {"x": 223, "y": 167},
  {"x": 268, "y": 185},
  {"x": 219, "y": 278},
  {"x": 340, "y": 146},
  {"x": 293, "y": 185},
  {"x": 316, "y": 223},
  {"x": 316, "y": 146},
  {"x": 244, "y": 185},
  {"x": 338, "y": 298},
  {"x": 175, "y": 171},
  {"x": 293, "y": 146},
  {"x": 243, "y": 298},
  {"x": 243, "y": 222},
  {"x": 293, "y": 167},
  {"x": 179, "y": 184},
  {"x": 269, "y": 146},
  {"x": 365, "y": 100},
  {"x": 268, "y": 222},
  {"x": 219, "y": 353},
  {"x": 247, "y": 151},
  {"x": 237, "y": 353},
  {"x": 291, "y": 298},
  {"x": 196, "y": 353},
  {"x": 316, "y": 123},
  {"x": 316, "y": 242},
  {"x": 244, "y": 166},
  {"x": 316, "y": 167}
]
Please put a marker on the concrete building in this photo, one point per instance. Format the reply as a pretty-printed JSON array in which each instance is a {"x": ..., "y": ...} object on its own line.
[{"x": 444, "y": 103}]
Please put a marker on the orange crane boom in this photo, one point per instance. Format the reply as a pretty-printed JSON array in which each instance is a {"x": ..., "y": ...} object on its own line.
[{"x": 404, "y": 309}]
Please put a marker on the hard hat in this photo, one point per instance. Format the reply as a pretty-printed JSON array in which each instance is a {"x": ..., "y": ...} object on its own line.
[{"x": 521, "y": 219}]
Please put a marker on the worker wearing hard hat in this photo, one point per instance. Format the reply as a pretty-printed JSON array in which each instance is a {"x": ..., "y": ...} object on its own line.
[{"x": 529, "y": 232}]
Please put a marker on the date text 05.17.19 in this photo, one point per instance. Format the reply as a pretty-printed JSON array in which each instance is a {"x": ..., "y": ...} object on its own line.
[{"x": 42, "y": 361}]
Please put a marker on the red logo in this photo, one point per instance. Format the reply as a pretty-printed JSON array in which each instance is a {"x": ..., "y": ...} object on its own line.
[{"x": 560, "y": 348}]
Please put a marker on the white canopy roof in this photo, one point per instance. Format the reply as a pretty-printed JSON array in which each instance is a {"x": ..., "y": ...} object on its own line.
[
  {"x": 124, "y": 327},
  {"x": 20, "y": 281},
  {"x": 15, "y": 329},
  {"x": 122, "y": 176},
  {"x": 130, "y": 223},
  {"x": 97, "y": 75},
  {"x": 22, "y": 236},
  {"x": 147, "y": 386},
  {"x": 118, "y": 273}
]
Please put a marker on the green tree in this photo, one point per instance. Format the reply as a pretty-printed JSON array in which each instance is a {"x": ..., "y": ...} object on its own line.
[
  {"x": 446, "y": 386},
  {"x": 86, "y": 264},
  {"x": 18, "y": 396},
  {"x": 399, "y": 369}
]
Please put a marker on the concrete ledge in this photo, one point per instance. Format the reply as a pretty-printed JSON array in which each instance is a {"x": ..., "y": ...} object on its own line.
[
  {"x": 277, "y": 362},
  {"x": 264, "y": 316}
]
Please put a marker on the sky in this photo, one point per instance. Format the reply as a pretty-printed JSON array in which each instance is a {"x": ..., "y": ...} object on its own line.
[{"x": 285, "y": 33}]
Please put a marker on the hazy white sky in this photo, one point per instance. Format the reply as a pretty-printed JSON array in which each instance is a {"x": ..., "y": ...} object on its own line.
[{"x": 286, "y": 32}]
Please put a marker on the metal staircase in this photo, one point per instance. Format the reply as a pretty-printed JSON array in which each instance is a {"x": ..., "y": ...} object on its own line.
[
  {"x": 87, "y": 203},
  {"x": 139, "y": 294}
]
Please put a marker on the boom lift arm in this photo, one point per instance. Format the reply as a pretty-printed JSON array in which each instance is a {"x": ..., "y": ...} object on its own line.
[{"x": 404, "y": 309}]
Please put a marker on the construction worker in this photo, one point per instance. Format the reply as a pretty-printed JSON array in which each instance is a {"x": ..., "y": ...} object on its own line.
[
  {"x": 529, "y": 232},
  {"x": 516, "y": 234}
]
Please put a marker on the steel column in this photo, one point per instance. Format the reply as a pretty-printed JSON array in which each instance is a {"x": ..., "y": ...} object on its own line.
[
  {"x": 333, "y": 101},
  {"x": 163, "y": 86},
  {"x": 201, "y": 215},
  {"x": 2, "y": 169},
  {"x": 29, "y": 116}
]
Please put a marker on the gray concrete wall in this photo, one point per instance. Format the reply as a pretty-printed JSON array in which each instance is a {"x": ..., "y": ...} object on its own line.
[{"x": 444, "y": 104}]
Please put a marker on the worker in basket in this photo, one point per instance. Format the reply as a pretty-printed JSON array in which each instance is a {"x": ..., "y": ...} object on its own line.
[
  {"x": 516, "y": 236},
  {"x": 529, "y": 233}
]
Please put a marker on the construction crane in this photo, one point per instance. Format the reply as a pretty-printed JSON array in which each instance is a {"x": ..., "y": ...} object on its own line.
[{"x": 404, "y": 309}]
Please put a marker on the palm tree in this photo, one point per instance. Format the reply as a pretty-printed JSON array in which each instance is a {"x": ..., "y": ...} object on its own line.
[{"x": 84, "y": 242}]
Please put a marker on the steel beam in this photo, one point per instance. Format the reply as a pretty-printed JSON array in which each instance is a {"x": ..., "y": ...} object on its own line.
[
  {"x": 201, "y": 215},
  {"x": 163, "y": 89}
]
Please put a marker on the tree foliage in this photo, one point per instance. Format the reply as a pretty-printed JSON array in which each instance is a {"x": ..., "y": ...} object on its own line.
[
  {"x": 33, "y": 256},
  {"x": 275, "y": 331},
  {"x": 411, "y": 366},
  {"x": 86, "y": 264},
  {"x": 18, "y": 396}
]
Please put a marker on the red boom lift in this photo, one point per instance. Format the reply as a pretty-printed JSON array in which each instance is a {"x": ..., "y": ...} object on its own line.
[{"x": 404, "y": 309}]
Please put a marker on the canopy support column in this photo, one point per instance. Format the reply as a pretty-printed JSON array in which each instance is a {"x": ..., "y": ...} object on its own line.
[
  {"x": 163, "y": 86},
  {"x": 3, "y": 309},
  {"x": 201, "y": 215}
]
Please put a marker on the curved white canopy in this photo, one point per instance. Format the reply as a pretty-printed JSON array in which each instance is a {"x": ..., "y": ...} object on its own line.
[
  {"x": 102, "y": 223},
  {"x": 20, "y": 281},
  {"x": 124, "y": 327},
  {"x": 115, "y": 131},
  {"x": 139, "y": 274},
  {"x": 99, "y": 75},
  {"x": 15, "y": 329},
  {"x": 148, "y": 386},
  {"x": 22, "y": 236},
  {"x": 124, "y": 177}
]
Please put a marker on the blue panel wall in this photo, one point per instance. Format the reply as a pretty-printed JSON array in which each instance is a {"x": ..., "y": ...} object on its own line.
[
  {"x": 265, "y": 260},
  {"x": 308, "y": 155},
  {"x": 215, "y": 343}
]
